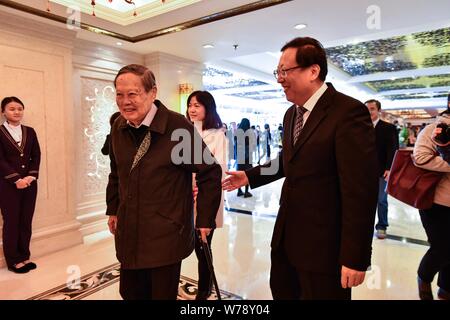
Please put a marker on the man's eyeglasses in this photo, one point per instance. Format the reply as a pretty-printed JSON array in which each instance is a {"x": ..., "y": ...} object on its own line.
[{"x": 282, "y": 73}]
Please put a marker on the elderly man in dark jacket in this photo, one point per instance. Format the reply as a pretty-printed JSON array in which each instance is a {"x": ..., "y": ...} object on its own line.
[{"x": 149, "y": 193}]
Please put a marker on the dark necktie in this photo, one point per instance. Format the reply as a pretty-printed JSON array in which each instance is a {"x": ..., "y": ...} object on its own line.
[{"x": 300, "y": 111}]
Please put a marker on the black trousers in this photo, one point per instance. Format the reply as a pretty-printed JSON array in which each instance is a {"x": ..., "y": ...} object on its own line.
[
  {"x": 159, "y": 283},
  {"x": 17, "y": 207},
  {"x": 289, "y": 283},
  {"x": 204, "y": 276},
  {"x": 436, "y": 222}
]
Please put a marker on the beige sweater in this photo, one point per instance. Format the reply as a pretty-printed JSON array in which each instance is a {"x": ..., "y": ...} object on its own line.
[{"x": 425, "y": 149}]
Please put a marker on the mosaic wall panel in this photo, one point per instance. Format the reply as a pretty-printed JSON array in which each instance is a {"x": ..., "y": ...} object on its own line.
[
  {"x": 98, "y": 103},
  {"x": 410, "y": 83},
  {"x": 417, "y": 50}
]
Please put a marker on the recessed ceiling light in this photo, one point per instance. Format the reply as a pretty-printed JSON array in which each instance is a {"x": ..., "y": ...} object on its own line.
[
  {"x": 208, "y": 46},
  {"x": 119, "y": 43},
  {"x": 300, "y": 26}
]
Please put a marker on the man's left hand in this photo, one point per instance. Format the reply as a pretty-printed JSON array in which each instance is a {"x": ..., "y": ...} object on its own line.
[
  {"x": 204, "y": 232},
  {"x": 351, "y": 278},
  {"x": 386, "y": 175}
]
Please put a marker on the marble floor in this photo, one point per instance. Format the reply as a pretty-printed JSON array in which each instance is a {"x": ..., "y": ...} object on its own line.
[{"x": 241, "y": 255}]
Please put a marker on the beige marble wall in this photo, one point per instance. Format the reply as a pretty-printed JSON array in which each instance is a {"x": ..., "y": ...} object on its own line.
[
  {"x": 37, "y": 69},
  {"x": 67, "y": 87},
  {"x": 94, "y": 101},
  {"x": 171, "y": 71}
]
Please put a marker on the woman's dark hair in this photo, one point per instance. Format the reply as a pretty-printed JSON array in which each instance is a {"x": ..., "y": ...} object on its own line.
[
  {"x": 309, "y": 52},
  {"x": 113, "y": 118},
  {"x": 7, "y": 100},
  {"x": 244, "y": 125},
  {"x": 212, "y": 118},
  {"x": 146, "y": 75}
]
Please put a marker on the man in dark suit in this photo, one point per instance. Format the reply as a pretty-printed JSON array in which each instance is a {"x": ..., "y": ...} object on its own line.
[
  {"x": 387, "y": 143},
  {"x": 149, "y": 193},
  {"x": 321, "y": 244}
]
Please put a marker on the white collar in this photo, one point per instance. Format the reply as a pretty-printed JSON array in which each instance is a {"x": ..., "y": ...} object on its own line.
[
  {"x": 312, "y": 101},
  {"x": 148, "y": 118},
  {"x": 375, "y": 122},
  {"x": 8, "y": 125}
]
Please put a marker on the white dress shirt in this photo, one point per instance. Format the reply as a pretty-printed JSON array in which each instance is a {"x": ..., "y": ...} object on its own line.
[
  {"x": 148, "y": 118},
  {"x": 15, "y": 132},
  {"x": 312, "y": 101}
]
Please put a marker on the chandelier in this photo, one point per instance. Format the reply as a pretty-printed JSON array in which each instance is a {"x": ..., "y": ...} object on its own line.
[{"x": 110, "y": 1}]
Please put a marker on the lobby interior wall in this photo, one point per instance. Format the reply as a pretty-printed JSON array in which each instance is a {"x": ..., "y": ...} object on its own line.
[
  {"x": 36, "y": 66},
  {"x": 94, "y": 70},
  {"x": 171, "y": 71},
  {"x": 67, "y": 87}
]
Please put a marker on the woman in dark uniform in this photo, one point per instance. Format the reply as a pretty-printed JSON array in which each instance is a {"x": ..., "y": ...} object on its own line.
[{"x": 19, "y": 168}]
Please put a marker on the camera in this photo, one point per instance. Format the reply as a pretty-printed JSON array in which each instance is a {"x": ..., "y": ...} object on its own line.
[{"x": 444, "y": 136}]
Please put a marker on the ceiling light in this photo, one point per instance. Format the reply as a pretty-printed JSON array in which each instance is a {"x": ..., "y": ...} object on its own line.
[
  {"x": 300, "y": 26},
  {"x": 208, "y": 46},
  {"x": 119, "y": 43}
]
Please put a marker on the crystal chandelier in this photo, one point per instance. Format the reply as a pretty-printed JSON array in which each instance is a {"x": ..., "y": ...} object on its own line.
[{"x": 110, "y": 1}]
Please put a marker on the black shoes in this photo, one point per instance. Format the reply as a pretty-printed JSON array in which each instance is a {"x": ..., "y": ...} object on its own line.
[
  {"x": 425, "y": 291},
  {"x": 240, "y": 193},
  {"x": 443, "y": 294},
  {"x": 31, "y": 265},
  {"x": 22, "y": 269},
  {"x": 202, "y": 295}
]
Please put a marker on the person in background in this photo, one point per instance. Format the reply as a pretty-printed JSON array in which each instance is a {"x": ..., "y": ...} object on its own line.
[
  {"x": 441, "y": 136},
  {"x": 149, "y": 194},
  {"x": 244, "y": 139},
  {"x": 105, "y": 148},
  {"x": 201, "y": 110},
  {"x": 387, "y": 144},
  {"x": 435, "y": 220},
  {"x": 268, "y": 139},
  {"x": 258, "y": 141},
  {"x": 404, "y": 136},
  {"x": 20, "y": 156}
]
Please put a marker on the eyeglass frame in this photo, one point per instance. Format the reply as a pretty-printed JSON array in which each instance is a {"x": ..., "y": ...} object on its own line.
[{"x": 282, "y": 73}]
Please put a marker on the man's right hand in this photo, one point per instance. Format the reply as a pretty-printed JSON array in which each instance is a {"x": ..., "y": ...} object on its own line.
[
  {"x": 234, "y": 180},
  {"x": 112, "y": 224},
  {"x": 21, "y": 184}
]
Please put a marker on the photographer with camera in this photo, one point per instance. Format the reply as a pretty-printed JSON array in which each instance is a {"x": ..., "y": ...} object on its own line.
[
  {"x": 441, "y": 136},
  {"x": 432, "y": 149}
]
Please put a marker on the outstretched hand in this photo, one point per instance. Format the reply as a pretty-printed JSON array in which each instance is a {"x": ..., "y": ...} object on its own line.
[
  {"x": 234, "y": 180},
  {"x": 351, "y": 278}
]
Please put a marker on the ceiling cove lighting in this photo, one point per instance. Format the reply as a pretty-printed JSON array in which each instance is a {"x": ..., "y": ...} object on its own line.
[
  {"x": 208, "y": 46},
  {"x": 130, "y": 2},
  {"x": 300, "y": 26}
]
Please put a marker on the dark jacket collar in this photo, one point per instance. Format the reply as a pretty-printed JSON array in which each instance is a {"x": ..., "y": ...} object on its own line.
[{"x": 317, "y": 115}]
